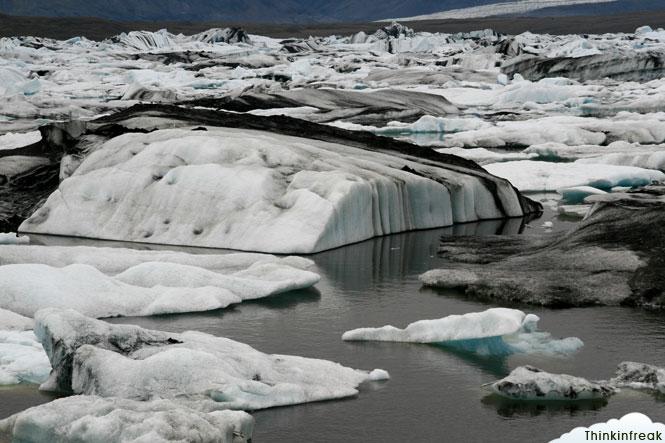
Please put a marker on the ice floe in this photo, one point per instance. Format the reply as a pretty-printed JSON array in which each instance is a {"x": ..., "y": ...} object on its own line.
[
  {"x": 203, "y": 371},
  {"x": 106, "y": 282},
  {"x": 495, "y": 331}
]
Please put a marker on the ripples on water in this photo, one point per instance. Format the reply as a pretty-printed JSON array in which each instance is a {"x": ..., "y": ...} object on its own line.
[{"x": 434, "y": 393}]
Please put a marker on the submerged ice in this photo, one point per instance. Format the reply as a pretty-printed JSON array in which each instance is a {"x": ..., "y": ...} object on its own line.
[{"x": 497, "y": 331}]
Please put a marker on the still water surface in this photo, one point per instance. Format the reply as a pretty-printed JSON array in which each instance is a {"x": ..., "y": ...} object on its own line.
[{"x": 434, "y": 394}]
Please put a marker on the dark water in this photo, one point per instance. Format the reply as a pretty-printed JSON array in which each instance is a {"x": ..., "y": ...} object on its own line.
[{"x": 434, "y": 394}]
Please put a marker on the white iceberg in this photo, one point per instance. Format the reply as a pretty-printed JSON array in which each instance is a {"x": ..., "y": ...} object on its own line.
[
  {"x": 209, "y": 373},
  {"x": 497, "y": 331},
  {"x": 529, "y": 383},
  {"x": 115, "y": 420}
]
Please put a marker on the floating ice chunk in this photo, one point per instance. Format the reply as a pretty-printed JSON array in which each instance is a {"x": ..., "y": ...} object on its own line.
[
  {"x": 529, "y": 175},
  {"x": 529, "y": 383},
  {"x": 11, "y": 238},
  {"x": 640, "y": 376},
  {"x": 22, "y": 358},
  {"x": 495, "y": 331},
  {"x": 210, "y": 373},
  {"x": 379, "y": 375},
  {"x": 577, "y": 194},
  {"x": 145, "y": 289},
  {"x": 115, "y": 420}
]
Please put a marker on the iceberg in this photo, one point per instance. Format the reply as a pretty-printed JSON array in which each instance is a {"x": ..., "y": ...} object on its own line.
[
  {"x": 529, "y": 383},
  {"x": 84, "y": 418},
  {"x": 131, "y": 283},
  {"x": 263, "y": 191},
  {"x": 497, "y": 331},
  {"x": 207, "y": 373}
]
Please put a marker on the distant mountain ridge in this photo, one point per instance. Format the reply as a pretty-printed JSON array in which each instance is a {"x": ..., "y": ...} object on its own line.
[{"x": 284, "y": 11}]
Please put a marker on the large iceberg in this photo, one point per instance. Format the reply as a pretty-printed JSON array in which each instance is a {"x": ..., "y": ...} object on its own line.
[
  {"x": 84, "y": 418},
  {"x": 261, "y": 191},
  {"x": 106, "y": 282},
  {"x": 205, "y": 372},
  {"x": 495, "y": 331}
]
